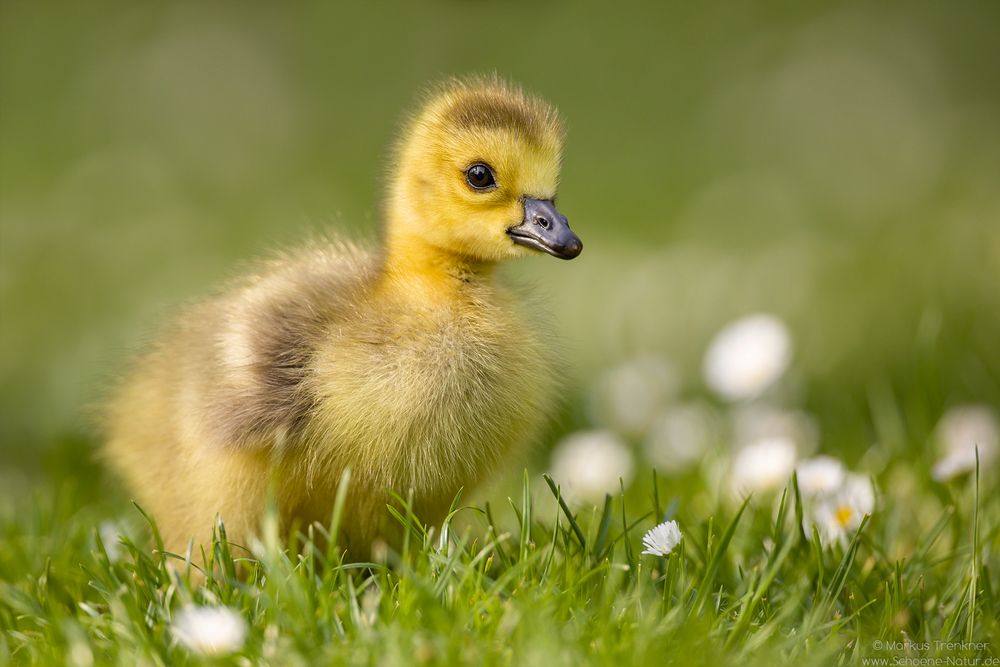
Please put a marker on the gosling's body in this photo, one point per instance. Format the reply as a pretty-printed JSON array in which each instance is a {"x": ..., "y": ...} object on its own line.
[{"x": 411, "y": 365}]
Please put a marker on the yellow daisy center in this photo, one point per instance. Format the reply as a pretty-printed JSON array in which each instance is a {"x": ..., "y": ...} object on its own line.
[{"x": 843, "y": 515}]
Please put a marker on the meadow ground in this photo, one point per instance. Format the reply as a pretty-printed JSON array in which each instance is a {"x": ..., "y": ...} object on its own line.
[{"x": 519, "y": 583}]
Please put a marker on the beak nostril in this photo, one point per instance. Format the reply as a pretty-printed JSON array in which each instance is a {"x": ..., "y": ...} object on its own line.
[{"x": 543, "y": 222}]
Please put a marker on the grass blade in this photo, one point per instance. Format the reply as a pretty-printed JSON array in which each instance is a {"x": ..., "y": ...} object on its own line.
[{"x": 715, "y": 562}]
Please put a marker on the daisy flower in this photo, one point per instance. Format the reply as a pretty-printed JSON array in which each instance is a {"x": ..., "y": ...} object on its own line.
[
  {"x": 961, "y": 430},
  {"x": 628, "y": 396},
  {"x": 838, "y": 514},
  {"x": 819, "y": 475},
  {"x": 680, "y": 436},
  {"x": 110, "y": 536},
  {"x": 747, "y": 356},
  {"x": 763, "y": 465},
  {"x": 210, "y": 630},
  {"x": 662, "y": 539},
  {"x": 754, "y": 422},
  {"x": 588, "y": 465}
]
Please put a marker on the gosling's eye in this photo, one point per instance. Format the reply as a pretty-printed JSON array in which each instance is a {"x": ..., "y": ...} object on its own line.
[{"x": 480, "y": 177}]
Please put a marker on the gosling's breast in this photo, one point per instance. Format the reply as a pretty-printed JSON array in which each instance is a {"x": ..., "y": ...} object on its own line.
[{"x": 421, "y": 398}]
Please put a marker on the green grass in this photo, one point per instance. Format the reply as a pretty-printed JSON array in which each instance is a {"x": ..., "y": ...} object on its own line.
[{"x": 500, "y": 586}]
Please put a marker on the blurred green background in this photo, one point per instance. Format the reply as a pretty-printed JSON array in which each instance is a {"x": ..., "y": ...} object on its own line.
[{"x": 834, "y": 163}]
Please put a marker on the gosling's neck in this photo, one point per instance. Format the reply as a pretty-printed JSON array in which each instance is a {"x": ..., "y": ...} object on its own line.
[{"x": 419, "y": 272}]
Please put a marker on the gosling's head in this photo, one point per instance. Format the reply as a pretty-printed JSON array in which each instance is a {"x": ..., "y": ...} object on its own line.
[{"x": 476, "y": 173}]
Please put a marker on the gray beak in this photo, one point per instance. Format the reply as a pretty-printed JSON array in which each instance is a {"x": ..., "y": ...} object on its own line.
[{"x": 546, "y": 229}]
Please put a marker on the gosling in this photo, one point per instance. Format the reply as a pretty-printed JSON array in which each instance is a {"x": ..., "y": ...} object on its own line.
[{"x": 411, "y": 365}]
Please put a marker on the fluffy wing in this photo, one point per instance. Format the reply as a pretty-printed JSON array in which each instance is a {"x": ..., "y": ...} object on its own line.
[{"x": 250, "y": 389}]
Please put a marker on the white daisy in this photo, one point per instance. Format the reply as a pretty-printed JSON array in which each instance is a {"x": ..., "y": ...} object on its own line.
[
  {"x": 680, "y": 436},
  {"x": 628, "y": 396},
  {"x": 819, "y": 475},
  {"x": 370, "y": 601},
  {"x": 754, "y": 422},
  {"x": 747, "y": 356},
  {"x": 838, "y": 514},
  {"x": 110, "y": 536},
  {"x": 961, "y": 430},
  {"x": 763, "y": 465},
  {"x": 210, "y": 630},
  {"x": 662, "y": 539},
  {"x": 588, "y": 464},
  {"x": 953, "y": 465}
]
